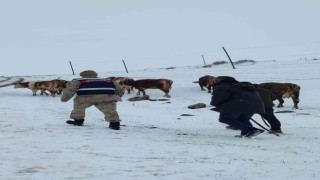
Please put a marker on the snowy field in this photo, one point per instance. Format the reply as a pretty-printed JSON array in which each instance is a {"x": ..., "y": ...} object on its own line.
[{"x": 155, "y": 141}]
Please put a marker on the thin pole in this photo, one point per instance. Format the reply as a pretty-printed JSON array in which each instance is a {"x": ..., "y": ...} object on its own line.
[
  {"x": 125, "y": 65},
  {"x": 71, "y": 67},
  {"x": 228, "y": 57},
  {"x": 204, "y": 61}
]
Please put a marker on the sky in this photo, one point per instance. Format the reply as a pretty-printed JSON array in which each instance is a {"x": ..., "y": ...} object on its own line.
[
  {"x": 156, "y": 142},
  {"x": 42, "y": 36}
]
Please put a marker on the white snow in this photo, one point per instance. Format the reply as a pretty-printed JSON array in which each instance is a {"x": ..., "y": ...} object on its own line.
[{"x": 156, "y": 141}]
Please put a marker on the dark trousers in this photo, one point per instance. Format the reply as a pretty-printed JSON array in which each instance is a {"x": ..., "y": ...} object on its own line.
[
  {"x": 239, "y": 121},
  {"x": 271, "y": 118}
]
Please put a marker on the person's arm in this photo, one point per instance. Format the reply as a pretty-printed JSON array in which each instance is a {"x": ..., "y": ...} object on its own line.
[
  {"x": 219, "y": 96},
  {"x": 119, "y": 89},
  {"x": 70, "y": 90}
]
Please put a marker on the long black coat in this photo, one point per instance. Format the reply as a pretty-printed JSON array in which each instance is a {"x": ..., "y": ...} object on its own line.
[
  {"x": 230, "y": 98},
  {"x": 267, "y": 97}
]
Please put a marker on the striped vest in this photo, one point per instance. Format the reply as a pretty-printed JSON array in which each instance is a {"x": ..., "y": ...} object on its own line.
[{"x": 92, "y": 86}]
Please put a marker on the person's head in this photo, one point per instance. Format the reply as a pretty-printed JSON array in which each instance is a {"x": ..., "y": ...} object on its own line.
[
  {"x": 88, "y": 74},
  {"x": 246, "y": 85},
  {"x": 257, "y": 86},
  {"x": 226, "y": 79}
]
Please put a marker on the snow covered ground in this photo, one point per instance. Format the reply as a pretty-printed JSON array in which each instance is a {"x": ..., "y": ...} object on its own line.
[{"x": 156, "y": 141}]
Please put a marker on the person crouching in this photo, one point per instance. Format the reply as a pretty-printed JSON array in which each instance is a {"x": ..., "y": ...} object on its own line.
[{"x": 237, "y": 102}]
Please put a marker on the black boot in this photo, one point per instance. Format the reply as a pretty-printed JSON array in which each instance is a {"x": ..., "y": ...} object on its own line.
[
  {"x": 114, "y": 125},
  {"x": 76, "y": 122},
  {"x": 275, "y": 131},
  {"x": 253, "y": 132}
]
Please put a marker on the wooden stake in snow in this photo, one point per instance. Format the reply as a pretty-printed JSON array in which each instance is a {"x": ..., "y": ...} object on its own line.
[
  {"x": 71, "y": 67},
  {"x": 204, "y": 61},
  {"x": 125, "y": 65},
  {"x": 228, "y": 57}
]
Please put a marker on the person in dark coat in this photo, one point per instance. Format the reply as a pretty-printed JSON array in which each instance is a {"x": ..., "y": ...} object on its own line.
[
  {"x": 268, "y": 97},
  {"x": 237, "y": 102}
]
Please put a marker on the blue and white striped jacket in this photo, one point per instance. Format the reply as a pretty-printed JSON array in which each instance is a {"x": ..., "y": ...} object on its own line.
[{"x": 92, "y": 86}]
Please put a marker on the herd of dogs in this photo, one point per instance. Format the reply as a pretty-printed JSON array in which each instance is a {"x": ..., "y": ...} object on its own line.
[
  {"x": 281, "y": 90},
  {"x": 53, "y": 86}
]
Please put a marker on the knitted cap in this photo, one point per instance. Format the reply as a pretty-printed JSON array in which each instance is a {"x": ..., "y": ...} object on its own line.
[{"x": 88, "y": 74}]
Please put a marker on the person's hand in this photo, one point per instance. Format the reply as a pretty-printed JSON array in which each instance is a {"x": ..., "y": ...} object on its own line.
[{"x": 63, "y": 99}]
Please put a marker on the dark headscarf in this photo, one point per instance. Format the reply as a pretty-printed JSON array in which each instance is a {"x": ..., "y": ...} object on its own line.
[{"x": 226, "y": 79}]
